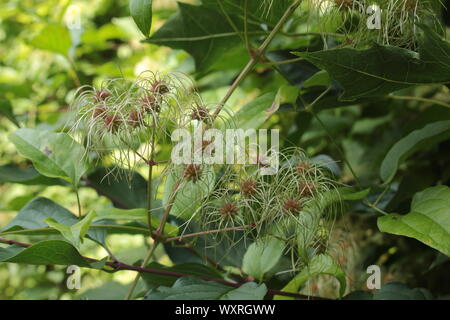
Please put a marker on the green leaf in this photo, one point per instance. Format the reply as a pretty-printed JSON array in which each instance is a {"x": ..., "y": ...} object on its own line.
[
  {"x": 191, "y": 288},
  {"x": 319, "y": 79},
  {"x": 75, "y": 233},
  {"x": 7, "y": 111},
  {"x": 54, "y": 38},
  {"x": 54, "y": 252},
  {"x": 428, "y": 220},
  {"x": 255, "y": 113},
  {"x": 429, "y": 135},
  {"x": 31, "y": 219},
  {"x": 124, "y": 193},
  {"x": 28, "y": 176},
  {"x": 190, "y": 194},
  {"x": 54, "y": 155},
  {"x": 205, "y": 34},
  {"x": 383, "y": 69},
  {"x": 320, "y": 264},
  {"x": 194, "y": 269},
  {"x": 141, "y": 11},
  {"x": 265, "y": 12},
  {"x": 262, "y": 256},
  {"x": 399, "y": 291},
  {"x": 135, "y": 215}
]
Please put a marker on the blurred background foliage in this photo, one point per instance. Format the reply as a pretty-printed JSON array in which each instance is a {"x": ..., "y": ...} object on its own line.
[{"x": 42, "y": 62}]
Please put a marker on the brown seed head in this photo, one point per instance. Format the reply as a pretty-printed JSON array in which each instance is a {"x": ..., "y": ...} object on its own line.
[
  {"x": 192, "y": 172},
  {"x": 292, "y": 206},
  {"x": 200, "y": 113},
  {"x": 302, "y": 167},
  {"x": 112, "y": 122},
  {"x": 248, "y": 188},
  {"x": 229, "y": 209},
  {"x": 159, "y": 87},
  {"x": 306, "y": 189},
  {"x": 149, "y": 104},
  {"x": 99, "y": 111},
  {"x": 134, "y": 118},
  {"x": 101, "y": 95}
]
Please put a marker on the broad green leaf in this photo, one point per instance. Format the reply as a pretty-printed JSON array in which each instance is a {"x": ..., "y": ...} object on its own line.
[
  {"x": 54, "y": 155},
  {"x": 125, "y": 193},
  {"x": 320, "y": 264},
  {"x": 399, "y": 291},
  {"x": 30, "y": 219},
  {"x": 255, "y": 113},
  {"x": 265, "y": 12},
  {"x": 75, "y": 233},
  {"x": 7, "y": 111},
  {"x": 429, "y": 135},
  {"x": 141, "y": 11},
  {"x": 428, "y": 221},
  {"x": 335, "y": 196},
  {"x": 190, "y": 194},
  {"x": 205, "y": 34},
  {"x": 319, "y": 79},
  {"x": 262, "y": 256},
  {"x": 53, "y": 252},
  {"x": 193, "y": 269},
  {"x": 27, "y": 176},
  {"x": 110, "y": 290},
  {"x": 383, "y": 69},
  {"x": 135, "y": 215},
  {"x": 54, "y": 38},
  {"x": 191, "y": 288}
]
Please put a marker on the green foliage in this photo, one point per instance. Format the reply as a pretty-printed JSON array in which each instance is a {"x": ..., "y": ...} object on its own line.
[
  {"x": 428, "y": 220},
  {"x": 383, "y": 69},
  {"x": 54, "y": 155},
  {"x": 426, "y": 137},
  {"x": 195, "y": 289},
  {"x": 90, "y": 110},
  {"x": 262, "y": 256},
  {"x": 320, "y": 264},
  {"x": 141, "y": 11},
  {"x": 47, "y": 252}
]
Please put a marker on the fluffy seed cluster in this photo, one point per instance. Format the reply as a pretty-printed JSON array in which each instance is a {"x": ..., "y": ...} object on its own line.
[
  {"x": 399, "y": 19},
  {"x": 118, "y": 120},
  {"x": 288, "y": 205}
]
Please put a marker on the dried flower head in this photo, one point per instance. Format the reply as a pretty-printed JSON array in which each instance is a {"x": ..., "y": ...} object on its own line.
[
  {"x": 248, "y": 188},
  {"x": 292, "y": 206},
  {"x": 193, "y": 172},
  {"x": 229, "y": 209}
]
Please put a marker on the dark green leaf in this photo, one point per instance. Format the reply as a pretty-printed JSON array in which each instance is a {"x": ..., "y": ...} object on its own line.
[
  {"x": 204, "y": 33},
  {"x": 28, "y": 176},
  {"x": 54, "y": 155},
  {"x": 429, "y": 135},
  {"x": 7, "y": 111},
  {"x": 428, "y": 220},
  {"x": 124, "y": 193},
  {"x": 191, "y": 288},
  {"x": 383, "y": 69},
  {"x": 194, "y": 269},
  {"x": 141, "y": 11},
  {"x": 46, "y": 252}
]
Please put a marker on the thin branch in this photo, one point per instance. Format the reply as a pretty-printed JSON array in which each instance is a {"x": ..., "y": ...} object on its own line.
[
  {"x": 254, "y": 59},
  {"x": 120, "y": 266}
]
